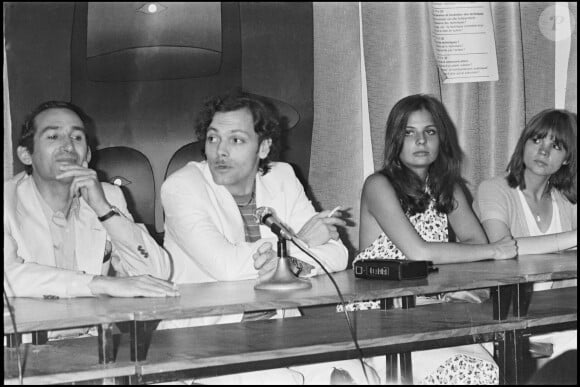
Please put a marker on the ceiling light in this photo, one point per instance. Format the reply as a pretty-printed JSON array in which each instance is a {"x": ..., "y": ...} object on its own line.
[{"x": 152, "y": 8}]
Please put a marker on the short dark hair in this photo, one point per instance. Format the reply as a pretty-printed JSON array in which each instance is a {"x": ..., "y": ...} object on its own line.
[
  {"x": 563, "y": 124},
  {"x": 29, "y": 129},
  {"x": 445, "y": 172},
  {"x": 264, "y": 114}
]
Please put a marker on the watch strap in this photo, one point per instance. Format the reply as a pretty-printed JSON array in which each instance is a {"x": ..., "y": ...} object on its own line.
[
  {"x": 112, "y": 212},
  {"x": 297, "y": 264}
]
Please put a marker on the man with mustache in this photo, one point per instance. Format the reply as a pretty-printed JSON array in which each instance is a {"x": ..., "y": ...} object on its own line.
[
  {"x": 64, "y": 231},
  {"x": 211, "y": 231}
]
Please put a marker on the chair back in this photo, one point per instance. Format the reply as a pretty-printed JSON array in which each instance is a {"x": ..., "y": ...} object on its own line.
[
  {"x": 131, "y": 170},
  {"x": 185, "y": 154}
]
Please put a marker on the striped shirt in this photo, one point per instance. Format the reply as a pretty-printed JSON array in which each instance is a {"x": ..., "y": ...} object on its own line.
[{"x": 248, "y": 210}]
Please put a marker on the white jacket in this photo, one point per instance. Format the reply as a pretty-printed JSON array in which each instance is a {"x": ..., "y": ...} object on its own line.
[
  {"x": 204, "y": 230},
  {"x": 29, "y": 262},
  {"x": 204, "y": 233}
]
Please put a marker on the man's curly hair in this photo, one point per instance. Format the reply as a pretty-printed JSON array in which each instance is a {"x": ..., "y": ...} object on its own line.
[{"x": 265, "y": 116}]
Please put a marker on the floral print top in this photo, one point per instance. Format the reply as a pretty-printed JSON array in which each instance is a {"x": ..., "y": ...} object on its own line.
[{"x": 431, "y": 225}]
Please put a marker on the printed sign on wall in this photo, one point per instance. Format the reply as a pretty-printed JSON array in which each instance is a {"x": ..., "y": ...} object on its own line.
[{"x": 463, "y": 41}]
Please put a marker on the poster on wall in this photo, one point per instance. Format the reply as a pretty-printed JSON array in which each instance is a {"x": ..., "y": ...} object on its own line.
[{"x": 463, "y": 41}]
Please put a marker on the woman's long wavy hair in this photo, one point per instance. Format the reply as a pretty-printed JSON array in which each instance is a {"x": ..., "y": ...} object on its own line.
[
  {"x": 443, "y": 175},
  {"x": 563, "y": 125}
]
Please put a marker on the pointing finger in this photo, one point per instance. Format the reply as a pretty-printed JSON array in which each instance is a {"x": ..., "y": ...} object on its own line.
[{"x": 334, "y": 221}]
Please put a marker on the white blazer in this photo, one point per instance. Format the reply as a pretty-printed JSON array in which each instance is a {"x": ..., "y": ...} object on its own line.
[
  {"x": 204, "y": 230},
  {"x": 29, "y": 261}
]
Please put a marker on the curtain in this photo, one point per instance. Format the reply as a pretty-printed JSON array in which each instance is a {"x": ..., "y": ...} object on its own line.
[
  {"x": 336, "y": 161},
  {"x": 571, "y": 102},
  {"x": 8, "y": 163},
  {"x": 399, "y": 61}
]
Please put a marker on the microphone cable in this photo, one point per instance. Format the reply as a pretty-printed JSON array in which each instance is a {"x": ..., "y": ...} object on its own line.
[
  {"x": 16, "y": 336},
  {"x": 348, "y": 320}
]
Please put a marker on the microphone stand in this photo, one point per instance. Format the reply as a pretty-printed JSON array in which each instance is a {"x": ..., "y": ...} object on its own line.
[{"x": 283, "y": 278}]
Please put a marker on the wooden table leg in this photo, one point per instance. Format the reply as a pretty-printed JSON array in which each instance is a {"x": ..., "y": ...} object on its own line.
[
  {"x": 512, "y": 367},
  {"x": 500, "y": 354},
  {"x": 511, "y": 361},
  {"x": 392, "y": 359},
  {"x": 501, "y": 297},
  {"x": 39, "y": 337},
  {"x": 13, "y": 340},
  {"x": 392, "y": 367},
  {"x": 522, "y": 298},
  {"x": 141, "y": 332},
  {"x": 405, "y": 357},
  {"x": 386, "y": 303},
  {"x": 406, "y": 368},
  {"x": 520, "y": 295},
  {"x": 137, "y": 333},
  {"x": 106, "y": 344},
  {"x": 408, "y": 302}
]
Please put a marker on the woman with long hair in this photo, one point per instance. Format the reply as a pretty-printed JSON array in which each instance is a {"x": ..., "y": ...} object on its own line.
[
  {"x": 408, "y": 206},
  {"x": 406, "y": 210},
  {"x": 535, "y": 202}
]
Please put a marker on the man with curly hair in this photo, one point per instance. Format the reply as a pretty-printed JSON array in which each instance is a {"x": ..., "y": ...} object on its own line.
[{"x": 210, "y": 228}]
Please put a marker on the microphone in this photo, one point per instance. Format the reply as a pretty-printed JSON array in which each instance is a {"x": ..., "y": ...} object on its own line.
[
  {"x": 267, "y": 216},
  {"x": 283, "y": 278}
]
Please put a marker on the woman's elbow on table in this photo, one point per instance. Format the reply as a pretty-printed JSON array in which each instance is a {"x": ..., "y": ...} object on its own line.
[{"x": 422, "y": 251}]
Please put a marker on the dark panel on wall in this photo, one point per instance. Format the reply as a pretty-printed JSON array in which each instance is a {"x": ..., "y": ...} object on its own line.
[
  {"x": 277, "y": 62},
  {"x": 38, "y": 37},
  {"x": 154, "y": 117},
  {"x": 140, "y": 42},
  {"x": 49, "y": 61}
]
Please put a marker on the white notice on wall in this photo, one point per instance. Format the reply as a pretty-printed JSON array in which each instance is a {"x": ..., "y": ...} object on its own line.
[{"x": 463, "y": 41}]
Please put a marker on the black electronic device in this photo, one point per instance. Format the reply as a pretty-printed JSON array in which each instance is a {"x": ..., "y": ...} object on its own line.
[{"x": 392, "y": 269}]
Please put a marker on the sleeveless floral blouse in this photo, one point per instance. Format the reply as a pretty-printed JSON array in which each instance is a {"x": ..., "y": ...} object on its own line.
[{"x": 431, "y": 225}]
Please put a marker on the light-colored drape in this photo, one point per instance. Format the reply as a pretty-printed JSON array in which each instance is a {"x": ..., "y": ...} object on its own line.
[
  {"x": 399, "y": 61},
  {"x": 8, "y": 163},
  {"x": 336, "y": 162},
  {"x": 562, "y": 54},
  {"x": 571, "y": 101}
]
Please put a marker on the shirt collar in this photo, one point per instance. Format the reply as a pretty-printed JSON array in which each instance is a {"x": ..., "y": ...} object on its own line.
[{"x": 57, "y": 217}]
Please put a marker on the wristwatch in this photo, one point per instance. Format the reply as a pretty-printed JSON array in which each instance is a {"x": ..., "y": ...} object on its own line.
[
  {"x": 114, "y": 211},
  {"x": 297, "y": 264}
]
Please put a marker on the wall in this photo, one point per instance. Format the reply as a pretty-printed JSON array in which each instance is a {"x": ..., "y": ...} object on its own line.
[
  {"x": 38, "y": 58},
  {"x": 277, "y": 56},
  {"x": 336, "y": 166},
  {"x": 266, "y": 48},
  {"x": 154, "y": 117},
  {"x": 398, "y": 57}
]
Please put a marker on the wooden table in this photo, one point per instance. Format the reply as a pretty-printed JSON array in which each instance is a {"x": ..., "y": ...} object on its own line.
[
  {"x": 216, "y": 298},
  {"x": 320, "y": 335},
  {"x": 232, "y": 297}
]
